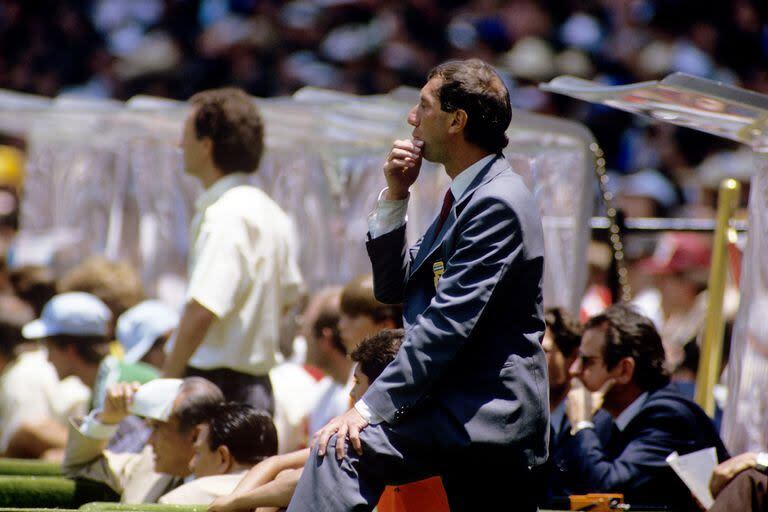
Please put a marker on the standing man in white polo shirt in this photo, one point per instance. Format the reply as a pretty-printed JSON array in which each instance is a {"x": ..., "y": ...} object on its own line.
[{"x": 242, "y": 267}]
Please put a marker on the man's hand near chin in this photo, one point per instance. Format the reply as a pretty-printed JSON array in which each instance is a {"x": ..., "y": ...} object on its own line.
[
  {"x": 581, "y": 405},
  {"x": 349, "y": 424}
]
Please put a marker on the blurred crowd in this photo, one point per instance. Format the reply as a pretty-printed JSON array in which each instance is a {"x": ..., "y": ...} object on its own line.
[
  {"x": 96, "y": 321},
  {"x": 174, "y": 48}
]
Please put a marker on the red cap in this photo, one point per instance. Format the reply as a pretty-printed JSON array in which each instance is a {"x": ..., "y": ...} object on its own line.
[{"x": 678, "y": 252}]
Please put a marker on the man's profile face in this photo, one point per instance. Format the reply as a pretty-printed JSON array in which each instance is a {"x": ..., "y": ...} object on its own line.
[
  {"x": 589, "y": 366},
  {"x": 429, "y": 122},
  {"x": 204, "y": 462},
  {"x": 557, "y": 364},
  {"x": 59, "y": 358},
  {"x": 194, "y": 149},
  {"x": 361, "y": 384},
  {"x": 173, "y": 449}
]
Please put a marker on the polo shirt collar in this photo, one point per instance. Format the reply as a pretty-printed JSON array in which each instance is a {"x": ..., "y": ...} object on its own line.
[{"x": 215, "y": 191}]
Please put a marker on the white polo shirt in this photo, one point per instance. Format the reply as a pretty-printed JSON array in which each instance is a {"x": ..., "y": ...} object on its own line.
[{"x": 243, "y": 268}]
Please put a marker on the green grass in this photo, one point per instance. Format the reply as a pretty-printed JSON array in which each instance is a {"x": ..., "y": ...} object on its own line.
[
  {"x": 40, "y": 492},
  {"x": 29, "y": 467}
]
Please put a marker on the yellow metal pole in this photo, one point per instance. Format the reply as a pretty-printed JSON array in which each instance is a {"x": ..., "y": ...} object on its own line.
[{"x": 712, "y": 346}]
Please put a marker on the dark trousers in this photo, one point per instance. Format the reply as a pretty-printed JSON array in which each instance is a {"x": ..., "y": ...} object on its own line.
[
  {"x": 747, "y": 491},
  {"x": 475, "y": 477},
  {"x": 254, "y": 390}
]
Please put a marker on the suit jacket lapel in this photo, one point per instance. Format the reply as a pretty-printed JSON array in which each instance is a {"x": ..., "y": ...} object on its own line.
[{"x": 432, "y": 240}]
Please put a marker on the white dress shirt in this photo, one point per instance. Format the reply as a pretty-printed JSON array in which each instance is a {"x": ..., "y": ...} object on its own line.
[
  {"x": 243, "y": 269},
  {"x": 631, "y": 411}
]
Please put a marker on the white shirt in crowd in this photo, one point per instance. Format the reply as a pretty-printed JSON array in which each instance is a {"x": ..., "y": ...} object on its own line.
[
  {"x": 30, "y": 391},
  {"x": 242, "y": 268},
  {"x": 296, "y": 394}
]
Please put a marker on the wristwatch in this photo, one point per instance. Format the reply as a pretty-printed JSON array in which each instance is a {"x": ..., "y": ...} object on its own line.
[{"x": 761, "y": 462}]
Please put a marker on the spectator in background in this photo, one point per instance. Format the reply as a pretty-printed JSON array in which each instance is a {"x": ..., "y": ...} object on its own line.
[
  {"x": 620, "y": 366},
  {"x": 74, "y": 329},
  {"x": 680, "y": 266},
  {"x": 233, "y": 438},
  {"x": 326, "y": 352},
  {"x": 34, "y": 284},
  {"x": 362, "y": 315},
  {"x": 173, "y": 408},
  {"x": 116, "y": 283},
  {"x": 34, "y": 405},
  {"x": 560, "y": 479},
  {"x": 243, "y": 274},
  {"x": 296, "y": 386},
  {"x": 143, "y": 331},
  {"x": 272, "y": 482}
]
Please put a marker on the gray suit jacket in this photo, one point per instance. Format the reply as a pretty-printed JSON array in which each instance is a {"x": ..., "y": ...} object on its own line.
[{"x": 473, "y": 341}]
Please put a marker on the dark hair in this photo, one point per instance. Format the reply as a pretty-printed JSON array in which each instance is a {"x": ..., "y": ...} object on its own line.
[
  {"x": 34, "y": 284},
  {"x": 92, "y": 349},
  {"x": 117, "y": 283},
  {"x": 329, "y": 319},
  {"x": 474, "y": 87},
  {"x": 373, "y": 354},
  {"x": 249, "y": 434},
  {"x": 357, "y": 299},
  {"x": 630, "y": 334},
  {"x": 199, "y": 395},
  {"x": 230, "y": 118},
  {"x": 14, "y": 314},
  {"x": 566, "y": 330}
]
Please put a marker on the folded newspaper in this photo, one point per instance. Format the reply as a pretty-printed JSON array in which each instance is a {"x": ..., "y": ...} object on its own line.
[{"x": 695, "y": 470}]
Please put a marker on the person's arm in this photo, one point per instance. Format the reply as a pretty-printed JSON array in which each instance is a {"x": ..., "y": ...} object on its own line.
[
  {"x": 643, "y": 459},
  {"x": 387, "y": 245},
  {"x": 268, "y": 469},
  {"x": 86, "y": 455},
  {"x": 727, "y": 471},
  {"x": 489, "y": 245},
  {"x": 277, "y": 493},
  {"x": 194, "y": 324},
  {"x": 33, "y": 438}
]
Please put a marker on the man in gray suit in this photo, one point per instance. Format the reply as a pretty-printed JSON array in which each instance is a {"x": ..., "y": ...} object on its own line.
[{"x": 466, "y": 396}]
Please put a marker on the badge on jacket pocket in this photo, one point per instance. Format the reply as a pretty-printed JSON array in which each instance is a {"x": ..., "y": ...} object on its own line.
[{"x": 438, "y": 269}]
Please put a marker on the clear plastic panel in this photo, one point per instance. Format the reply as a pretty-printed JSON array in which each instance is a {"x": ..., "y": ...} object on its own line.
[
  {"x": 745, "y": 419},
  {"x": 110, "y": 181}
]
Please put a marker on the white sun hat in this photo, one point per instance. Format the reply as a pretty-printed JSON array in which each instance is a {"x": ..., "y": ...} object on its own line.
[
  {"x": 73, "y": 314},
  {"x": 154, "y": 400},
  {"x": 139, "y": 327}
]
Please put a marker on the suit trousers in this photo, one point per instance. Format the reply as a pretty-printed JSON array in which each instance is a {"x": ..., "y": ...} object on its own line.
[
  {"x": 475, "y": 477},
  {"x": 747, "y": 491}
]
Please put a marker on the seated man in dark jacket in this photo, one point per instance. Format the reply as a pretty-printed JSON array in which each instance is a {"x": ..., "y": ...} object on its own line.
[
  {"x": 561, "y": 346},
  {"x": 621, "y": 363}
]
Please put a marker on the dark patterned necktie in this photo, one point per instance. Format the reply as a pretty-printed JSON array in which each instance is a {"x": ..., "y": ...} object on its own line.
[{"x": 447, "y": 203}]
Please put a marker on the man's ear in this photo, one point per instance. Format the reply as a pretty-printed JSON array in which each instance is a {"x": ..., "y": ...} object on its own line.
[
  {"x": 458, "y": 122},
  {"x": 224, "y": 459},
  {"x": 626, "y": 370}
]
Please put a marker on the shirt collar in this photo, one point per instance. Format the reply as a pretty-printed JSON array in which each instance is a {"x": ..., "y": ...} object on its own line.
[
  {"x": 461, "y": 183},
  {"x": 215, "y": 191},
  {"x": 630, "y": 412},
  {"x": 557, "y": 416}
]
